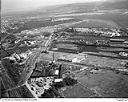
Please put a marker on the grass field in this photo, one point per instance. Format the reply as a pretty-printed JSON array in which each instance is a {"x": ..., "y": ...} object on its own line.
[
  {"x": 37, "y": 24},
  {"x": 106, "y": 83},
  {"x": 118, "y": 18},
  {"x": 78, "y": 91},
  {"x": 95, "y": 23}
]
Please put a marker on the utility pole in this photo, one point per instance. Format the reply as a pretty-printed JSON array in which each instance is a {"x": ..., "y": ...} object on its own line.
[{"x": 53, "y": 57}]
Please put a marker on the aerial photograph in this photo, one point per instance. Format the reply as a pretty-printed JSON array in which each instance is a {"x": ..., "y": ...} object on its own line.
[{"x": 64, "y": 49}]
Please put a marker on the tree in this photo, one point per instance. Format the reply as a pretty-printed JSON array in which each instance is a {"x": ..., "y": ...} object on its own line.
[{"x": 69, "y": 81}]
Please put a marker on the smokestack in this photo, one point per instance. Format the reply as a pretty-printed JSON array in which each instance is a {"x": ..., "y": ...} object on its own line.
[
  {"x": 53, "y": 57},
  {"x": 60, "y": 69}
]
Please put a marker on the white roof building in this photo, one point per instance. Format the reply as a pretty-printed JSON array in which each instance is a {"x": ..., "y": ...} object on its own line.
[
  {"x": 24, "y": 55},
  {"x": 77, "y": 60},
  {"x": 58, "y": 80},
  {"x": 16, "y": 56},
  {"x": 56, "y": 72},
  {"x": 12, "y": 58}
]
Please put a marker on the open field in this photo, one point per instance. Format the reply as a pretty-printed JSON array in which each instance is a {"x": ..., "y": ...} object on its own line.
[
  {"x": 37, "y": 24},
  {"x": 68, "y": 46},
  {"x": 105, "y": 83},
  {"x": 119, "y": 19},
  {"x": 78, "y": 91},
  {"x": 95, "y": 23},
  {"x": 100, "y": 82}
]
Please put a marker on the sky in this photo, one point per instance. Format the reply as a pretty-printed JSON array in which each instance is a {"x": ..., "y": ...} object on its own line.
[{"x": 18, "y": 5}]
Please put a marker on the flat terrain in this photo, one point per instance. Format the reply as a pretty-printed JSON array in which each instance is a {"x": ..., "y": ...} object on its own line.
[
  {"x": 92, "y": 23},
  {"x": 105, "y": 83},
  {"x": 89, "y": 55},
  {"x": 117, "y": 18}
]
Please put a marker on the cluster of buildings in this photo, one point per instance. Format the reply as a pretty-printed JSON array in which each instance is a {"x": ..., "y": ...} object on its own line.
[
  {"x": 124, "y": 54},
  {"x": 107, "y": 32},
  {"x": 44, "y": 76},
  {"x": 27, "y": 43},
  {"x": 10, "y": 25},
  {"x": 39, "y": 85},
  {"x": 4, "y": 24},
  {"x": 19, "y": 58},
  {"x": 35, "y": 31}
]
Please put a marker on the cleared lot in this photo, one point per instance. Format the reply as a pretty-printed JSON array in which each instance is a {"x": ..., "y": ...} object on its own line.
[{"x": 105, "y": 83}]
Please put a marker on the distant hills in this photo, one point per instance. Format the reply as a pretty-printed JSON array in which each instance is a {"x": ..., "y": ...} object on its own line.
[
  {"x": 77, "y": 8},
  {"x": 121, "y": 4},
  {"x": 86, "y": 7}
]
